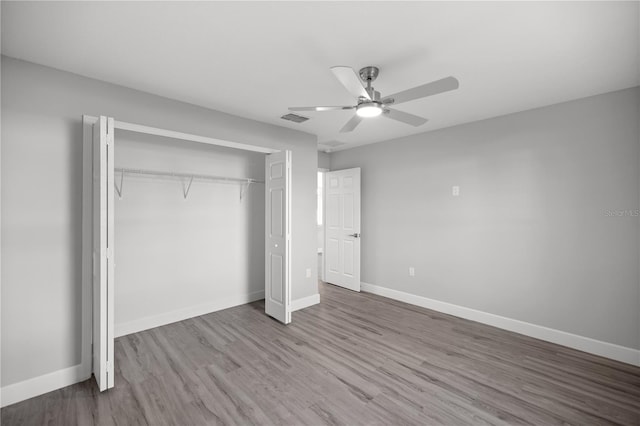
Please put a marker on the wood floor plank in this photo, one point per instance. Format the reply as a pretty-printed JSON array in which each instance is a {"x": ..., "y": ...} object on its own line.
[{"x": 354, "y": 359}]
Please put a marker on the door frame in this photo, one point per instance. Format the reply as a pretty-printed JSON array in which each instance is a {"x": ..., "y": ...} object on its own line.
[
  {"x": 88, "y": 122},
  {"x": 322, "y": 229}
]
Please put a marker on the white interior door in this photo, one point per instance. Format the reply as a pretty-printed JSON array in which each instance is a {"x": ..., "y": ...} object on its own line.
[
  {"x": 103, "y": 267},
  {"x": 342, "y": 228},
  {"x": 277, "y": 283}
]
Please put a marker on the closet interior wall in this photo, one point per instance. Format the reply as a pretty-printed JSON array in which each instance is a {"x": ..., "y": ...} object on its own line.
[{"x": 176, "y": 256}]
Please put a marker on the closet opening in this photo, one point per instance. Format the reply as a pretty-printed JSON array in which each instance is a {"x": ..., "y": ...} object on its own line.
[{"x": 194, "y": 224}]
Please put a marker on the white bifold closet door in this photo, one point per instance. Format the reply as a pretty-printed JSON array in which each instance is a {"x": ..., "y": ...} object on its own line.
[
  {"x": 103, "y": 253},
  {"x": 277, "y": 288}
]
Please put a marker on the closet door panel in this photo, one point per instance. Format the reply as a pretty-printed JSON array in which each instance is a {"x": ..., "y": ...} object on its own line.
[
  {"x": 103, "y": 252},
  {"x": 277, "y": 290}
]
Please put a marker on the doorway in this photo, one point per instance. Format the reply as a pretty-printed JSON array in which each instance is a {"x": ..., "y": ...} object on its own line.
[
  {"x": 342, "y": 228},
  {"x": 99, "y": 230}
]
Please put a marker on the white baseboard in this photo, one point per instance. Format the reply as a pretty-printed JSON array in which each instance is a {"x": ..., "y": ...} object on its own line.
[
  {"x": 182, "y": 314},
  {"x": 42, "y": 384},
  {"x": 305, "y": 302},
  {"x": 585, "y": 344}
]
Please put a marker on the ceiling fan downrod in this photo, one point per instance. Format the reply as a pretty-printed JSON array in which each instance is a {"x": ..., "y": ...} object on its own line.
[{"x": 368, "y": 75}]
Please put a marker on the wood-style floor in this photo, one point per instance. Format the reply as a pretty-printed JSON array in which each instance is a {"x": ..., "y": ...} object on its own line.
[{"x": 354, "y": 359}]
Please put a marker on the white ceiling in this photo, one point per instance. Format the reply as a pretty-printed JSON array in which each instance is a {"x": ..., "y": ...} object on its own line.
[{"x": 256, "y": 59}]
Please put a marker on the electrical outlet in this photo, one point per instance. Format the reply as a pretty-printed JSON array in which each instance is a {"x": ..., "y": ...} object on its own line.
[
  {"x": 308, "y": 272},
  {"x": 455, "y": 191},
  {"x": 412, "y": 271}
]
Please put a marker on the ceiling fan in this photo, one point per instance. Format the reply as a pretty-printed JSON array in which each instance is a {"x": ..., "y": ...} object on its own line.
[{"x": 370, "y": 104}]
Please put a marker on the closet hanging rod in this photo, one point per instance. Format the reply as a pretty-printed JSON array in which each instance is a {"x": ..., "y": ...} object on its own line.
[{"x": 186, "y": 175}]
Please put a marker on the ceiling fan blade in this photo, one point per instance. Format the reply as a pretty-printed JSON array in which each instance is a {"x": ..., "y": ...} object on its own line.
[
  {"x": 321, "y": 108},
  {"x": 350, "y": 80},
  {"x": 351, "y": 124},
  {"x": 404, "y": 117},
  {"x": 429, "y": 89}
]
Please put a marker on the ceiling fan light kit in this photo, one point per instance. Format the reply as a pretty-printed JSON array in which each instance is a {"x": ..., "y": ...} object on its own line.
[
  {"x": 369, "y": 109},
  {"x": 370, "y": 104}
]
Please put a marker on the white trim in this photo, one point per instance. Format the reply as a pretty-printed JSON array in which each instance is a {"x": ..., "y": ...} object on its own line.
[
  {"x": 87, "y": 242},
  {"x": 582, "y": 343},
  {"x": 182, "y": 314},
  {"x": 42, "y": 384},
  {"x": 139, "y": 128},
  {"x": 305, "y": 302}
]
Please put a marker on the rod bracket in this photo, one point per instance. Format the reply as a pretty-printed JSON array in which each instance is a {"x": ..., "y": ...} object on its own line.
[
  {"x": 187, "y": 187},
  {"x": 119, "y": 190},
  {"x": 244, "y": 188}
]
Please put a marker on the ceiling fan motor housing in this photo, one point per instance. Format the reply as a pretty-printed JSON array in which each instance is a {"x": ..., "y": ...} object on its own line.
[{"x": 373, "y": 94}]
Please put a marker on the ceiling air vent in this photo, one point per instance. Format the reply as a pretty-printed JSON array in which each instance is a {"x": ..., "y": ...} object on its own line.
[
  {"x": 333, "y": 144},
  {"x": 295, "y": 118}
]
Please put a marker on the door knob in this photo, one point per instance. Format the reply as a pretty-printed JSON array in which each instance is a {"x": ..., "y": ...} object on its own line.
[{"x": 356, "y": 235}]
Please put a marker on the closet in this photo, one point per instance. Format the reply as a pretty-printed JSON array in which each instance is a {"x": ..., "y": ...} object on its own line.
[{"x": 108, "y": 189}]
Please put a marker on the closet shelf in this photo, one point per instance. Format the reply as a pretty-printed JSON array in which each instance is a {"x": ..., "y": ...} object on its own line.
[{"x": 182, "y": 176}]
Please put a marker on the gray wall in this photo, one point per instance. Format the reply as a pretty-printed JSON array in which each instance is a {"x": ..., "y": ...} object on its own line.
[
  {"x": 324, "y": 160},
  {"x": 535, "y": 233},
  {"x": 42, "y": 205}
]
